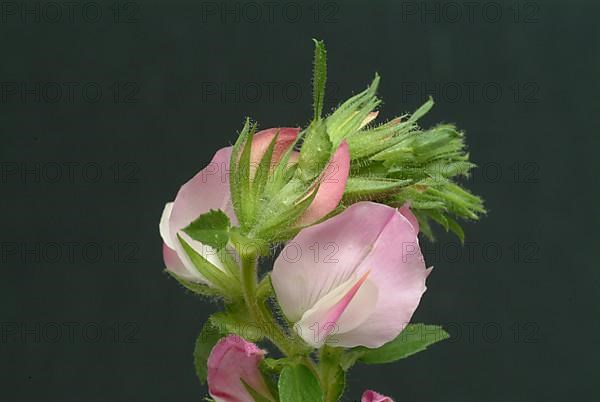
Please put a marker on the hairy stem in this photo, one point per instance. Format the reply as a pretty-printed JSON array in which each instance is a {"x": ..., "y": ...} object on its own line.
[
  {"x": 329, "y": 372},
  {"x": 260, "y": 314}
]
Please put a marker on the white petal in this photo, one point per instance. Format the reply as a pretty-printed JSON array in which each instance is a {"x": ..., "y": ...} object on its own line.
[
  {"x": 318, "y": 323},
  {"x": 165, "y": 231}
]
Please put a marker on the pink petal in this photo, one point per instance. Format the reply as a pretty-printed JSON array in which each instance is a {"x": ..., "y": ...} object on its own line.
[
  {"x": 262, "y": 139},
  {"x": 175, "y": 265},
  {"x": 405, "y": 210},
  {"x": 324, "y": 256},
  {"x": 399, "y": 272},
  {"x": 365, "y": 237},
  {"x": 333, "y": 184},
  {"x": 372, "y": 396},
  {"x": 231, "y": 360},
  {"x": 208, "y": 189}
]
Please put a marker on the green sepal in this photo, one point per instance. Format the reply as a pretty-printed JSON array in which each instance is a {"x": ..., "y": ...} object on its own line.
[
  {"x": 243, "y": 172},
  {"x": 315, "y": 153},
  {"x": 319, "y": 78},
  {"x": 276, "y": 365},
  {"x": 283, "y": 172},
  {"x": 255, "y": 394},
  {"x": 211, "y": 229},
  {"x": 422, "y": 110},
  {"x": 456, "y": 229},
  {"x": 437, "y": 200},
  {"x": 358, "y": 188},
  {"x": 247, "y": 246},
  {"x": 229, "y": 258},
  {"x": 272, "y": 228},
  {"x": 429, "y": 159},
  {"x": 413, "y": 339},
  {"x": 261, "y": 175},
  {"x": 216, "y": 277},
  {"x": 235, "y": 177},
  {"x": 366, "y": 143},
  {"x": 424, "y": 226},
  {"x": 197, "y": 288},
  {"x": 240, "y": 180},
  {"x": 348, "y": 118},
  {"x": 298, "y": 383}
]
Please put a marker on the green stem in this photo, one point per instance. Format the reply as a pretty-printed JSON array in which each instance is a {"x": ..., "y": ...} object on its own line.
[
  {"x": 249, "y": 283},
  {"x": 260, "y": 314},
  {"x": 329, "y": 372}
]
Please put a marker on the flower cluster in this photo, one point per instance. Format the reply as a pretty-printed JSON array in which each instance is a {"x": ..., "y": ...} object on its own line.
[{"x": 346, "y": 200}]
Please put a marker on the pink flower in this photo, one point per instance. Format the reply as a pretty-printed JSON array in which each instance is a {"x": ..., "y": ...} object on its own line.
[
  {"x": 372, "y": 396},
  {"x": 209, "y": 189},
  {"x": 232, "y": 360},
  {"x": 355, "y": 279}
]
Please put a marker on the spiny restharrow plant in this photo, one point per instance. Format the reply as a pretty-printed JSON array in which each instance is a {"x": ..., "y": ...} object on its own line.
[{"x": 343, "y": 200}]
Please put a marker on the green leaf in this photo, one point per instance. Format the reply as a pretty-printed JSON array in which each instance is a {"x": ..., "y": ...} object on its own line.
[
  {"x": 209, "y": 336},
  {"x": 236, "y": 320},
  {"x": 211, "y": 229},
  {"x": 415, "y": 338},
  {"x": 297, "y": 383},
  {"x": 214, "y": 275},
  {"x": 319, "y": 78}
]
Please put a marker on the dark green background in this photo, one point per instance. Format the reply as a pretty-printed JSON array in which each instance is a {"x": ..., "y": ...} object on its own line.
[{"x": 82, "y": 251}]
